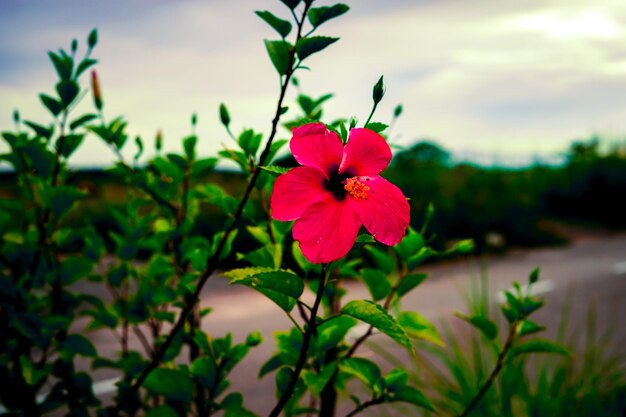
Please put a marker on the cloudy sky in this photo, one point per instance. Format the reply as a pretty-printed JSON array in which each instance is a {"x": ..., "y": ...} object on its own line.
[{"x": 516, "y": 77}]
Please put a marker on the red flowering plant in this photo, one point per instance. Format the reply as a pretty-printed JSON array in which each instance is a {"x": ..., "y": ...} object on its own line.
[
  {"x": 157, "y": 261},
  {"x": 337, "y": 190}
]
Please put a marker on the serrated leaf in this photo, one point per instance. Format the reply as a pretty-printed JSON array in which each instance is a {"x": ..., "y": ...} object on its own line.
[
  {"x": 282, "y": 287},
  {"x": 538, "y": 346},
  {"x": 281, "y": 26},
  {"x": 419, "y": 327},
  {"x": 308, "y": 46},
  {"x": 319, "y": 15},
  {"x": 376, "y": 316},
  {"x": 280, "y": 54},
  {"x": 173, "y": 384},
  {"x": 486, "y": 326},
  {"x": 275, "y": 170}
]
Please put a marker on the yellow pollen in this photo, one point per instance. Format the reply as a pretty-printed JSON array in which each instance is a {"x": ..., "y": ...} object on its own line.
[{"x": 356, "y": 188}]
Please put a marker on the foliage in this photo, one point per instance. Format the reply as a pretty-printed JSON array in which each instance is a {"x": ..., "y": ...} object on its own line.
[{"x": 153, "y": 258}]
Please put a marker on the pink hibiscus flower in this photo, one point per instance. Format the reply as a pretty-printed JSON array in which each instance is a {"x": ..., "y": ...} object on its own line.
[{"x": 337, "y": 190}]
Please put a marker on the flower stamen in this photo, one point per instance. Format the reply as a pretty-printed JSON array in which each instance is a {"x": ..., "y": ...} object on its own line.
[{"x": 356, "y": 188}]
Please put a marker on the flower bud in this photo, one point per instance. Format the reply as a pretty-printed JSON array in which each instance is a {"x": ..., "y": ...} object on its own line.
[
  {"x": 158, "y": 143},
  {"x": 224, "y": 116},
  {"x": 379, "y": 91},
  {"x": 95, "y": 87}
]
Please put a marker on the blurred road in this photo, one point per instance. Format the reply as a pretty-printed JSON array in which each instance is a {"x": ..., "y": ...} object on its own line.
[{"x": 591, "y": 271}]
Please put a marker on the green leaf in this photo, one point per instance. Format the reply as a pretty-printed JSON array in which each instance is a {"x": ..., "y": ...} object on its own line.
[
  {"x": 62, "y": 198},
  {"x": 486, "y": 326},
  {"x": 274, "y": 148},
  {"x": 292, "y": 4},
  {"x": 317, "y": 381},
  {"x": 382, "y": 259},
  {"x": 52, "y": 104},
  {"x": 308, "y": 46},
  {"x": 365, "y": 238},
  {"x": 275, "y": 170},
  {"x": 376, "y": 316},
  {"x": 86, "y": 118},
  {"x": 527, "y": 327},
  {"x": 189, "y": 144},
  {"x": 73, "y": 268},
  {"x": 250, "y": 142},
  {"x": 282, "y": 287},
  {"x": 333, "y": 331},
  {"x": 84, "y": 65},
  {"x": 538, "y": 346},
  {"x": 280, "y": 54},
  {"x": 204, "y": 372},
  {"x": 419, "y": 327},
  {"x": 272, "y": 364},
  {"x": 319, "y": 15},
  {"x": 396, "y": 380},
  {"x": 534, "y": 275},
  {"x": 69, "y": 143},
  {"x": 281, "y": 26},
  {"x": 376, "y": 282},
  {"x": 68, "y": 90},
  {"x": 44, "y": 132},
  {"x": 173, "y": 384},
  {"x": 62, "y": 64},
  {"x": 202, "y": 167},
  {"x": 79, "y": 345},
  {"x": 365, "y": 370},
  {"x": 409, "y": 282},
  {"x": 412, "y": 396},
  {"x": 376, "y": 127},
  {"x": 162, "y": 411}
]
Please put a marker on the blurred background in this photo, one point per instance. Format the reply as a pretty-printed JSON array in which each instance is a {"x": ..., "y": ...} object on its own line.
[{"x": 513, "y": 117}]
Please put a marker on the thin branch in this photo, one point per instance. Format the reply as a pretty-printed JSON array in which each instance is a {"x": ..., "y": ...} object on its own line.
[
  {"x": 373, "y": 401},
  {"x": 213, "y": 261},
  {"x": 306, "y": 341},
  {"x": 494, "y": 373}
]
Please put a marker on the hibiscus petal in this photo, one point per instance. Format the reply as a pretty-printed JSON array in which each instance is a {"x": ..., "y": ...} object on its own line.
[
  {"x": 316, "y": 146},
  {"x": 296, "y": 190},
  {"x": 385, "y": 213},
  {"x": 366, "y": 153},
  {"x": 327, "y": 230}
]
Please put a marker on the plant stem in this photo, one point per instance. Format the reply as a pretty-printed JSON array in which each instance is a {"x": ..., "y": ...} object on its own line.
[
  {"x": 306, "y": 341},
  {"x": 373, "y": 401},
  {"x": 213, "y": 261},
  {"x": 371, "y": 114},
  {"x": 494, "y": 373}
]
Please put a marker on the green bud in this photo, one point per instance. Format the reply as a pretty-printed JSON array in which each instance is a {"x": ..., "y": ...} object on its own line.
[
  {"x": 158, "y": 143},
  {"x": 397, "y": 111},
  {"x": 95, "y": 88},
  {"x": 379, "y": 90},
  {"x": 295, "y": 82},
  {"x": 224, "y": 116},
  {"x": 194, "y": 119},
  {"x": 92, "y": 40},
  {"x": 74, "y": 45},
  {"x": 254, "y": 339},
  {"x": 16, "y": 116}
]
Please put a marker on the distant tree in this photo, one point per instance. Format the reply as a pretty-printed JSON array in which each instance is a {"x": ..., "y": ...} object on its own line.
[{"x": 425, "y": 151}]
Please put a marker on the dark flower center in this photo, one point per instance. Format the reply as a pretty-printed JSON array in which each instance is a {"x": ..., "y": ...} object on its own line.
[{"x": 335, "y": 184}]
